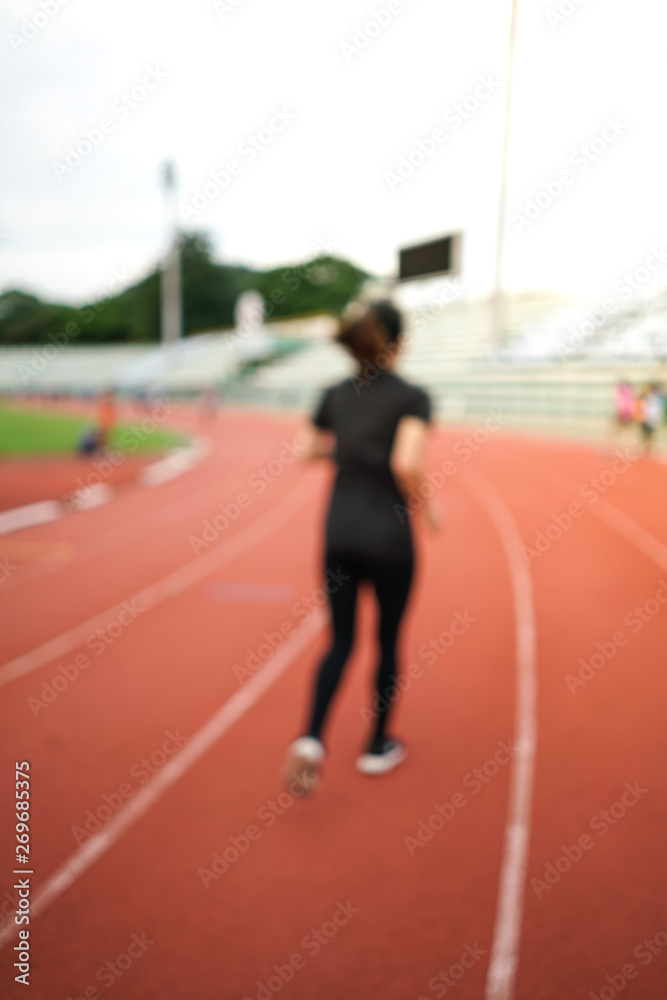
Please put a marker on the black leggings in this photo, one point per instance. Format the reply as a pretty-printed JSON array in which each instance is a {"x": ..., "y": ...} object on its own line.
[{"x": 391, "y": 579}]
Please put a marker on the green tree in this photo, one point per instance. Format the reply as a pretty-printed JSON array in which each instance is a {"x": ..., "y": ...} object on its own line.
[{"x": 210, "y": 289}]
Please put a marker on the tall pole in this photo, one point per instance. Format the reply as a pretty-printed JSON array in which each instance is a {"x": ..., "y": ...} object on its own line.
[
  {"x": 170, "y": 279},
  {"x": 498, "y": 301}
]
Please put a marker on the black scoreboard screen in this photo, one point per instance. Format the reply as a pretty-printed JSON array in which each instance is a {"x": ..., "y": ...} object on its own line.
[{"x": 435, "y": 257}]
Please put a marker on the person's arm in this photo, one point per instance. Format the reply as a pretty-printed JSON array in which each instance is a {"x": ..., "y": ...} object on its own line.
[
  {"x": 317, "y": 438},
  {"x": 315, "y": 443},
  {"x": 407, "y": 463}
]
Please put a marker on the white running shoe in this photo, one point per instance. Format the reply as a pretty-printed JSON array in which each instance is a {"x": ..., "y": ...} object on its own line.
[
  {"x": 303, "y": 764},
  {"x": 392, "y": 754}
]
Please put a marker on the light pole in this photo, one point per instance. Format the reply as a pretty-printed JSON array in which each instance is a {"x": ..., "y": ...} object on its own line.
[
  {"x": 497, "y": 300},
  {"x": 170, "y": 279}
]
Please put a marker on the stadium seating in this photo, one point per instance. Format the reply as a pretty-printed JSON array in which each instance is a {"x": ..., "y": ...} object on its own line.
[{"x": 555, "y": 369}]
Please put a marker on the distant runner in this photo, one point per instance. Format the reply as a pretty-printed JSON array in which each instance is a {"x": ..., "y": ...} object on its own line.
[{"x": 650, "y": 414}]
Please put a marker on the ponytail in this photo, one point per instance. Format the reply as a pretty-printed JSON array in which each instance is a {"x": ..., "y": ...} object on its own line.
[
  {"x": 364, "y": 338},
  {"x": 368, "y": 336}
]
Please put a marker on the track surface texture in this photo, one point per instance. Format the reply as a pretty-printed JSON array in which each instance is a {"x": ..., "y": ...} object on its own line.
[{"x": 168, "y": 862}]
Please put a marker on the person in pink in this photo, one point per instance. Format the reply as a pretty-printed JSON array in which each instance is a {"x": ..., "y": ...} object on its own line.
[{"x": 625, "y": 404}]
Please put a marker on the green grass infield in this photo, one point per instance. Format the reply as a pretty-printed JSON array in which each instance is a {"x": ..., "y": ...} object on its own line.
[{"x": 40, "y": 433}]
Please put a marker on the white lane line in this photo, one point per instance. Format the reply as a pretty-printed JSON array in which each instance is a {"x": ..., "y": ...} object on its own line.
[
  {"x": 169, "y": 586},
  {"x": 30, "y": 515},
  {"x": 504, "y": 961},
  {"x": 623, "y": 525},
  {"x": 632, "y": 531},
  {"x": 176, "y": 463},
  {"x": 206, "y": 736},
  {"x": 93, "y": 545}
]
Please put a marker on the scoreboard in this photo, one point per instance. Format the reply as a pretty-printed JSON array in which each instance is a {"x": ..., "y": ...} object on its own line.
[{"x": 441, "y": 256}]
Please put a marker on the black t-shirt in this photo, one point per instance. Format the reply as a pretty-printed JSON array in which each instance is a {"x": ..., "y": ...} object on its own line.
[{"x": 365, "y": 513}]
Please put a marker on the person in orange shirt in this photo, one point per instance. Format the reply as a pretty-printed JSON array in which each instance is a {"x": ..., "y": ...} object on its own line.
[{"x": 106, "y": 417}]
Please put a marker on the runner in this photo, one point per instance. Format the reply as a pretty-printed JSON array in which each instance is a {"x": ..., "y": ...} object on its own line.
[
  {"x": 374, "y": 427},
  {"x": 650, "y": 414},
  {"x": 106, "y": 418},
  {"x": 625, "y": 406},
  {"x": 208, "y": 404}
]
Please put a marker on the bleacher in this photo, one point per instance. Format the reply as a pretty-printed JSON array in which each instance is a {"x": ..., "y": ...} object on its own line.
[
  {"x": 440, "y": 340},
  {"x": 447, "y": 349},
  {"x": 634, "y": 332},
  {"x": 181, "y": 368},
  {"x": 45, "y": 368}
]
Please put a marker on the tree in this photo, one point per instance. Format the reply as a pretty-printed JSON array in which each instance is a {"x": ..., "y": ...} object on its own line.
[{"x": 210, "y": 290}]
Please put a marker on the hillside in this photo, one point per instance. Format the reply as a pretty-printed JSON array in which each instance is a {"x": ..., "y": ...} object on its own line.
[{"x": 210, "y": 290}]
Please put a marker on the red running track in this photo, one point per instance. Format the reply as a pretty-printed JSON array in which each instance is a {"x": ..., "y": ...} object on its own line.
[{"x": 337, "y": 895}]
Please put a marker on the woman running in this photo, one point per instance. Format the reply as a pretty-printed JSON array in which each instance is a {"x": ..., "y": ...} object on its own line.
[{"x": 374, "y": 426}]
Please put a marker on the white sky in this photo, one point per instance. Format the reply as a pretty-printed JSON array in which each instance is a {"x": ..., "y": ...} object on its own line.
[{"x": 323, "y": 178}]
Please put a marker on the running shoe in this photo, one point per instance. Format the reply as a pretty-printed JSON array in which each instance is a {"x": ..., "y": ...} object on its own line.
[
  {"x": 303, "y": 764},
  {"x": 381, "y": 757}
]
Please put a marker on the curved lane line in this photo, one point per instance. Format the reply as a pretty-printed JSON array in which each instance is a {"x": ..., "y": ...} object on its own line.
[{"x": 504, "y": 961}]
